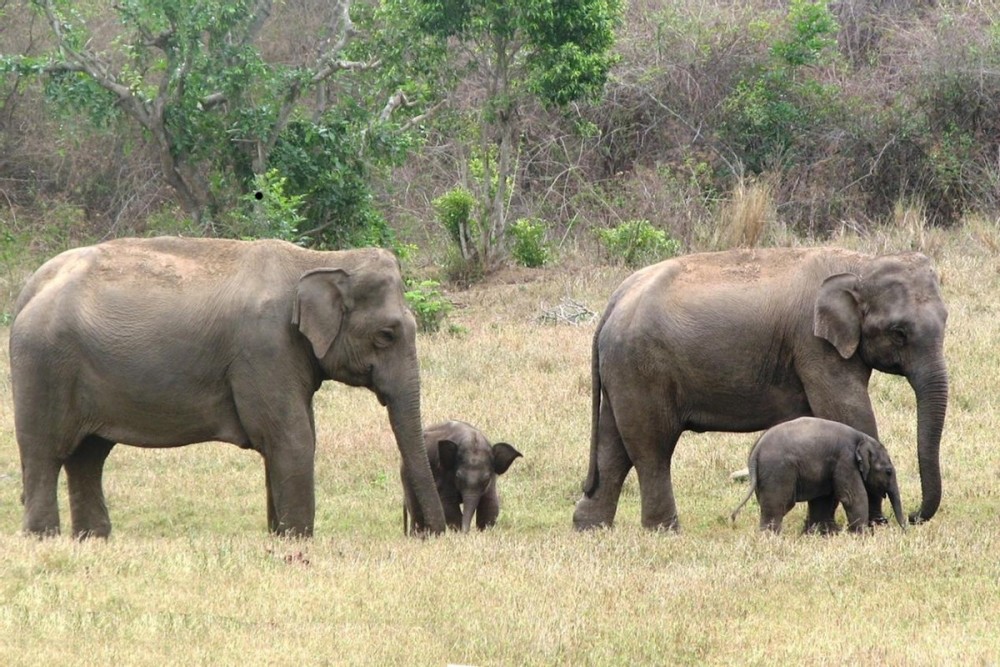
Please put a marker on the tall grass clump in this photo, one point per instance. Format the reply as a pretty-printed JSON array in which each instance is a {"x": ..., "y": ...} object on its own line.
[{"x": 745, "y": 217}]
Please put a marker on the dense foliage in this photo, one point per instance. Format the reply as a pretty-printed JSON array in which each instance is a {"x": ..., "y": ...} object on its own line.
[{"x": 352, "y": 118}]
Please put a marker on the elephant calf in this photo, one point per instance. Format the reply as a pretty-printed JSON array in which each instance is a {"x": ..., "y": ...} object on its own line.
[
  {"x": 465, "y": 467},
  {"x": 825, "y": 463}
]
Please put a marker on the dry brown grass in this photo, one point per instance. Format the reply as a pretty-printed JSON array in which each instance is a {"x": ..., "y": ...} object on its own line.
[
  {"x": 747, "y": 215},
  {"x": 190, "y": 576}
]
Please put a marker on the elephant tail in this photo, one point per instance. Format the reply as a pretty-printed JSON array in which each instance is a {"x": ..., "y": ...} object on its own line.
[
  {"x": 752, "y": 465},
  {"x": 406, "y": 521},
  {"x": 593, "y": 476}
]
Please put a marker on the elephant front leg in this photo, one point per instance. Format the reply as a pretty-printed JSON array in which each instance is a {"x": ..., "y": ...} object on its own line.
[
  {"x": 292, "y": 503},
  {"x": 875, "y": 514},
  {"x": 488, "y": 509},
  {"x": 84, "y": 473}
]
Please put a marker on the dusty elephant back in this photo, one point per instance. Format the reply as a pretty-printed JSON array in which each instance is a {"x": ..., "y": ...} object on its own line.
[{"x": 205, "y": 279}]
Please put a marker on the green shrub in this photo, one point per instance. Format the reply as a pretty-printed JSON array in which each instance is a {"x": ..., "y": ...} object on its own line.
[
  {"x": 530, "y": 247},
  {"x": 779, "y": 106},
  {"x": 455, "y": 210},
  {"x": 428, "y": 304},
  {"x": 637, "y": 243},
  {"x": 269, "y": 211}
]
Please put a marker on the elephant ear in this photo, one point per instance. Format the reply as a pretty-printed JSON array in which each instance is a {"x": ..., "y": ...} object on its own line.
[
  {"x": 863, "y": 454},
  {"x": 503, "y": 456},
  {"x": 837, "y": 313},
  {"x": 448, "y": 454},
  {"x": 322, "y": 296}
]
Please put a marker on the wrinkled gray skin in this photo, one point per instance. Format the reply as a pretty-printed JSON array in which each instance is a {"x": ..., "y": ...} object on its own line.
[
  {"x": 465, "y": 467},
  {"x": 822, "y": 462},
  {"x": 743, "y": 340},
  {"x": 165, "y": 342}
]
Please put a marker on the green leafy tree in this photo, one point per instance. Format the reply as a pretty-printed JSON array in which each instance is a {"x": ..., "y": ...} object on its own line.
[
  {"x": 781, "y": 103},
  {"x": 192, "y": 75},
  {"x": 546, "y": 50}
]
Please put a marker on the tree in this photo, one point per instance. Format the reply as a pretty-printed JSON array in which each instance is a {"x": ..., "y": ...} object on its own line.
[
  {"x": 554, "y": 51},
  {"x": 193, "y": 76}
]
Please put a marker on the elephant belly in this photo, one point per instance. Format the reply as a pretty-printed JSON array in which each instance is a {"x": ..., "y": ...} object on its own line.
[
  {"x": 164, "y": 421},
  {"x": 754, "y": 409}
]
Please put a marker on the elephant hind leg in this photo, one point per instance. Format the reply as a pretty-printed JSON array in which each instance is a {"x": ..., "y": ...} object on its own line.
[
  {"x": 613, "y": 465},
  {"x": 820, "y": 517},
  {"x": 84, "y": 475},
  {"x": 40, "y": 477},
  {"x": 650, "y": 438},
  {"x": 773, "y": 508}
]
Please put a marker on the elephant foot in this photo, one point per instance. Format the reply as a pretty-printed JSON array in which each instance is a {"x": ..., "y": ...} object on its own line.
[
  {"x": 97, "y": 532},
  {"x": 588, "y": 516},
  {"x": 666, "y": 526},
  {"x": 821, "y": 528},
  {"x": 878, "y": 520}
]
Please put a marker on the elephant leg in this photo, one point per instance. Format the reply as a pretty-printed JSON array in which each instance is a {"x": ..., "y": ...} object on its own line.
[
  {"x": 650, "y": 439},
  {"x": 282, "y": 431},
  {"x": 84, "y": 473},
  {"x": 820, "y": 517},
  {"x": 656, "y": 490},
  {"x": 272, "y": 513},
  {"x": 875, "y": 514},
  {"x": 856, "y": 508},
  {"x": 613, "y": 466},
  {"x": 489, "y": 508},
  {"x": 773, "y": 508},
  {"x": 452, "y": 506},
  {"x": 293, "y": 495},
  {"x": 40, "y": 477}
]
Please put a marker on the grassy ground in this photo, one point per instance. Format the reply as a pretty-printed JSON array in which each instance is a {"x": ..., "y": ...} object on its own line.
[{"x": 190, "y": 575}]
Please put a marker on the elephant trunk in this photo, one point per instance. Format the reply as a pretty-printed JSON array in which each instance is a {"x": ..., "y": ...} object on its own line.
[
  {"x": 897, "y": 505},
  {"x": 470, "y": 502},
  {"x": 404, "y": 417},
  {"x": 931, "y": 390}
]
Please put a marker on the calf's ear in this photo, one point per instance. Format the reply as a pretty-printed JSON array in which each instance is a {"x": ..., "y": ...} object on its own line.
[
  {"x": 503, "y": 456},
  {"x": 863, "y": 453}
]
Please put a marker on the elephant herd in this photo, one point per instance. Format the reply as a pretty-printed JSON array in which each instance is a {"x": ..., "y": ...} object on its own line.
[{"x": 168, "y": 341}]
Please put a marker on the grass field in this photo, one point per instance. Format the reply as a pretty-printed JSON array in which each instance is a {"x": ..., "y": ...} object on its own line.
[{"x": 191, "y": 577}]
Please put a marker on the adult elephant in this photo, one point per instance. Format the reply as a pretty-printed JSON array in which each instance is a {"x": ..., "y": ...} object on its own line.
[
  {"x": 746, "y": 339},
  {"x": 169, "y": 341}
]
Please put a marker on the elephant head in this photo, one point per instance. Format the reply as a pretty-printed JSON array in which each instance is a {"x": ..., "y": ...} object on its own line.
[
  {"x": 878, "y": 474},
  {"x": 891, "y": 315},
  {"x": 363, "y": 334},
  {"x": 473, "y": 465}
]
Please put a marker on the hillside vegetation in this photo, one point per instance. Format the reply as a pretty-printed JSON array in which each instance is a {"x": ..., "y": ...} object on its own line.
[{"x": 823, "y": 116}]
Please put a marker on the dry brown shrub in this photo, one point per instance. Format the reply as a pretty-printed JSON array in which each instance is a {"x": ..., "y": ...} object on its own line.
[{"x": 746, "y": 215}]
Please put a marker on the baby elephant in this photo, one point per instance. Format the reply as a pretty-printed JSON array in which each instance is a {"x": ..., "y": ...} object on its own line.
[
  {"x": 822, "y": 462},
  {"x": 465, "y": 468}
]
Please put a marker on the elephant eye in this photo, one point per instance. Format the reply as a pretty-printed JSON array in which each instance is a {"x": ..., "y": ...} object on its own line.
[
  {"x": 385, "y": 338},
  {"x": 898, "y": 333}
]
